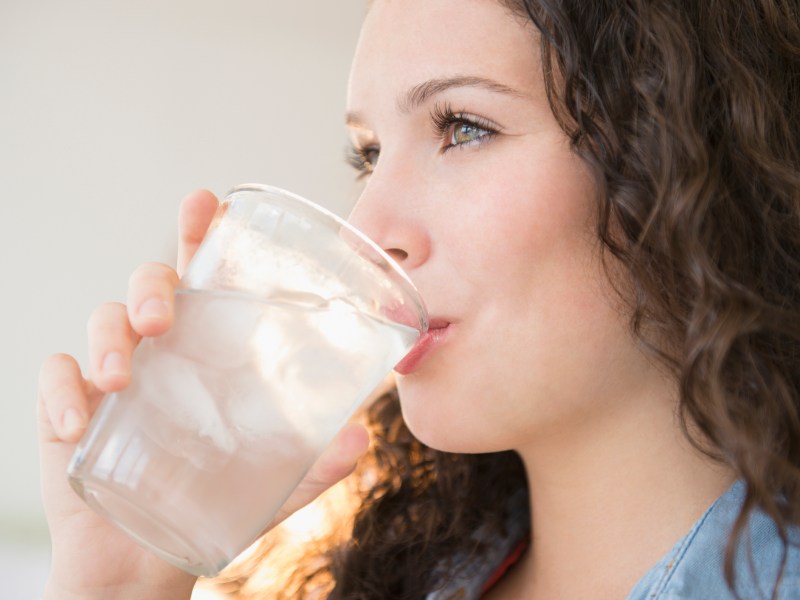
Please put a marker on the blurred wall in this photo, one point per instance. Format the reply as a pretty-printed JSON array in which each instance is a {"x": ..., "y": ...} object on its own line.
[{"x": 109, "y": 113}]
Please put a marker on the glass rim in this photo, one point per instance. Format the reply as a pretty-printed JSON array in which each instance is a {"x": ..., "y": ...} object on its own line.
[{"x": 404, "y": 280}]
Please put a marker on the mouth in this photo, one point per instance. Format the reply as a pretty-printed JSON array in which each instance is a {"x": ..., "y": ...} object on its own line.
[{"x": 438, "y": 330}]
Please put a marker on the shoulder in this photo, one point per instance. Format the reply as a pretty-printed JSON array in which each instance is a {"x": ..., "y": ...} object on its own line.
[{"x": 694, "y": 568}]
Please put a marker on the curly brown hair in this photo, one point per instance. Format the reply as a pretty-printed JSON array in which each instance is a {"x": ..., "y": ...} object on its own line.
[{"x": 688, "y": 112}]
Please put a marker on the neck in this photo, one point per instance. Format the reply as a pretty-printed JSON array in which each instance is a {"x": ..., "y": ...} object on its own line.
[{"x": 610, "y": 497}]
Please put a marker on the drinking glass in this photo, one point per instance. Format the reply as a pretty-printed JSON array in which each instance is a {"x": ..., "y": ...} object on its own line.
[{"x": 286, "y": 320}]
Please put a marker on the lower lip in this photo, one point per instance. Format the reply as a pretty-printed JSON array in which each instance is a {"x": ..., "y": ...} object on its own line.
[{"x": 424, "y": 346}]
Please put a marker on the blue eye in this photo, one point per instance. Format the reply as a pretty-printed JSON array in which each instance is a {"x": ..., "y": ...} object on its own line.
[
  {"x": 457, "y": 129},
  {"x": 465, "y": 132}
]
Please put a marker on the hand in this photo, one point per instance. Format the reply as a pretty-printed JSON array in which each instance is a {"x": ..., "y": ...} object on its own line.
[{"x": 91, "y": 558}]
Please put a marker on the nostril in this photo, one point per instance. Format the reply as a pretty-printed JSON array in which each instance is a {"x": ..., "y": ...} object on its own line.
[{"x": 397, "y": 254}]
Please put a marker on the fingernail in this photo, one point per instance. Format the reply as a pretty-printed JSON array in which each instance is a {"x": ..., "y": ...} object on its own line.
[
  {"x": 72, "y": 422},
  {"x": 115, "y": 364},
  {"x": 154, "y": 308}
]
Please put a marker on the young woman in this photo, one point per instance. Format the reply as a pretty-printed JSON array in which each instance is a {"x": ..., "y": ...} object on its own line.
[{"x": 600, "y": 203}]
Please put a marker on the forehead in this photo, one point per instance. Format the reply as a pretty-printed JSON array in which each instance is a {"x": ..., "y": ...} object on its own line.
[{"x": 406, "y": 42}]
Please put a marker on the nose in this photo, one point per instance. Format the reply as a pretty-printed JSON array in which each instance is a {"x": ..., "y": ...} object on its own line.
[{"x": 389, "y": 215}]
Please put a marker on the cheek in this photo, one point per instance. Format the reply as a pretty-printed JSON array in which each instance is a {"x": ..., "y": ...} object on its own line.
[
  {"x": 540, "y": 328},
  {"x": 526, "y": 214},
  {"x": 547, "y": 196}
]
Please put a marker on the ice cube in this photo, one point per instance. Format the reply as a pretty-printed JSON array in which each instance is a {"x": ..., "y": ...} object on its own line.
[
  {"x": 214, "y": 328},
  {"x": 250, "y": 407},
  {"x": 317, "y": 385},
  {"x": 187, "y": 421}
]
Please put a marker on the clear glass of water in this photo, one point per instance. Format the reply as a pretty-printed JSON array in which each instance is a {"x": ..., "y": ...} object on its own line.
[{"x": 285, "y": 321}]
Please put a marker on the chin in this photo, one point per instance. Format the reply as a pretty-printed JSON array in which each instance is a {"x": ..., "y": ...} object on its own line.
[
  {"x": 425, "y": 414},
  {"x": 442, "y": 422}
]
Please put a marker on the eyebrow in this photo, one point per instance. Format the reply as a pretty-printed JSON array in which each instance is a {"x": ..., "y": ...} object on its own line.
[{"x": 418, "y": 94}]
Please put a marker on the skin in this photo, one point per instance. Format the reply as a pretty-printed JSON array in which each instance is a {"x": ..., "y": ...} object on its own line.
[{"x": 497, "y": 233}]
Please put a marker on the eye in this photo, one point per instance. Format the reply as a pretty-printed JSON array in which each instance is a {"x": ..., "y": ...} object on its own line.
[
  {"x": 460, "y": 129},
  {"x": 363, "y": 159},
  {"x": 465, "y": 132}
]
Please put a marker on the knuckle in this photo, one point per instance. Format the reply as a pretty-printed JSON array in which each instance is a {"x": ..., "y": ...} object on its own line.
[
  {"x": 326, "y": 473},
  {"x": 56, "y": 363},
  {"x": 150, "y": 273},
  {"x": 58, "y": 372},
  {"x": 107, "y": 316}
]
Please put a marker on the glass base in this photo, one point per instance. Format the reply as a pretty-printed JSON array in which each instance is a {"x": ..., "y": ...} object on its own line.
[{"x": 150, "y": 531}]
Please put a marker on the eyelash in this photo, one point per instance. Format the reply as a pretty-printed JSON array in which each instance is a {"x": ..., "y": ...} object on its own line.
[
  {"x": 444, "y": 118},
  {"x": 358, "y": 157}
]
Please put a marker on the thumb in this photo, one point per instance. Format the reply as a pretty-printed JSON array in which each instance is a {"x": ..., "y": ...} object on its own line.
[
  {"x": 195, "y": 215},
  {"x": 336, "y": 463}
]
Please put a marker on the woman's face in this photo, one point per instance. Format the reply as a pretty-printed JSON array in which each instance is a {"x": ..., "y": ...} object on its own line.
[{"x": 472, "y": 186}]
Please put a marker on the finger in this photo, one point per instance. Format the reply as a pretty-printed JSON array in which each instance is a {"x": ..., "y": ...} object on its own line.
[
  {"x": 111, "y": 343},
  {"x": 195, "y": 214},
  {"x": 340, "y": 458},
  {"x": 336, "y": 463},
  {"x": 64, "y": 404},
  {"x": 151, "y": 298}
]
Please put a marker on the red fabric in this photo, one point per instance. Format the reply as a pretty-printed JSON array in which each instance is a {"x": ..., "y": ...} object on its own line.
[{"x": 509, "y": 562}]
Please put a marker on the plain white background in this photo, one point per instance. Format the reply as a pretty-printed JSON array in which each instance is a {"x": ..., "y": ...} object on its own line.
[{"x": 109, "y": 113}]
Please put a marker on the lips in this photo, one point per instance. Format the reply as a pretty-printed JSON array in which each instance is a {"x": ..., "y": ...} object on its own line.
[{"x": 438, "y": 330}]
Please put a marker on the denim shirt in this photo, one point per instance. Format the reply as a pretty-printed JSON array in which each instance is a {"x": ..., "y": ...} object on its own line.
[{"x": 691, "y": 570}]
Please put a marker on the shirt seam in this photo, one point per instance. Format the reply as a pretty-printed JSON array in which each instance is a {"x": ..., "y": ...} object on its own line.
[{"x": 680, "y": 553}]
